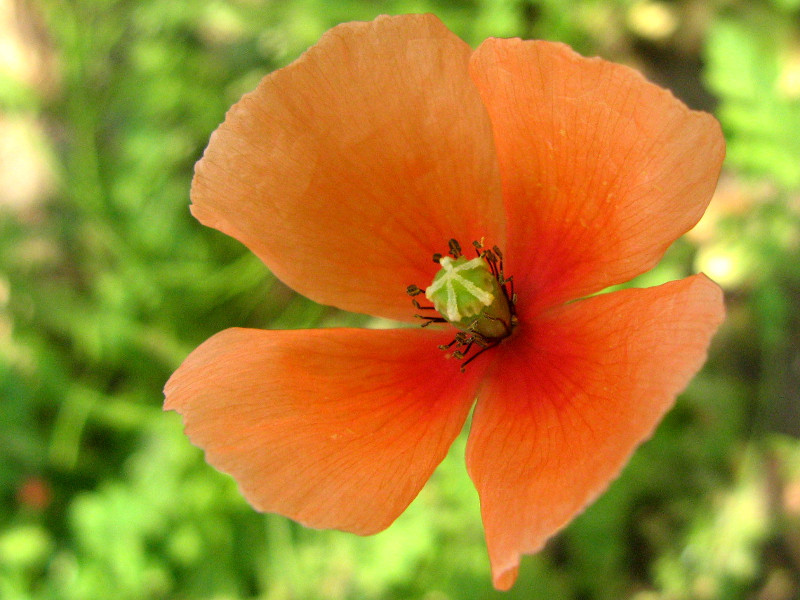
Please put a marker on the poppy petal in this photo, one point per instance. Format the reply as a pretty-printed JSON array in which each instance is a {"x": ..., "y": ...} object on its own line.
[
  {"x": 570, "y": 399},
  {"x": 601, "y": 169},
  {"x": 347, "y": 170},
  {"x": 335, "y": 428}
]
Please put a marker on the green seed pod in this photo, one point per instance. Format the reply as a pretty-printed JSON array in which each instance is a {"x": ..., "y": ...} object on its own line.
[{"x": 467, "y": 294}]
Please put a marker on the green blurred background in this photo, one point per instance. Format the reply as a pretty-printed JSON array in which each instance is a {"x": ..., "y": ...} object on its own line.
[{"x": 107, "y": 283}]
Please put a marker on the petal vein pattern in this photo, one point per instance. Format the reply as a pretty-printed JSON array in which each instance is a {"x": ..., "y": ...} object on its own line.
[
  {"x": 324, "y": 188},
  {"x": 561, "y": 413},
  {"x": 601, "y": 169},
  {"x": 335, "y": 428}
]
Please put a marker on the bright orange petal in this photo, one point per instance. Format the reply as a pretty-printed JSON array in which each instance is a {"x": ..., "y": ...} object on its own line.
[
  {"x": 336, "y": 428},
  {"x": 348, "y": 169},
  {"x": 571, "y": 398},
  {"x": 601, "y": 170}
]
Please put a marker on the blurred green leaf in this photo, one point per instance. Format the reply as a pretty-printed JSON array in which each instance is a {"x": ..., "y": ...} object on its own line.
[{"x": 747, "y": 62}]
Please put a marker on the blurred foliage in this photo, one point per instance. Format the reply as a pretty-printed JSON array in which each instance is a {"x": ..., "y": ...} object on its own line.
[{"x": 107, "y": 283}]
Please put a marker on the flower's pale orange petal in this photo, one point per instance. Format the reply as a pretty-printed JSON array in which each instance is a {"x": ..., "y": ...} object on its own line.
[
  {"x": 601, "y": 169},
  {"x": 336, "y": 428},
  {"x": 348, "y": 169},
  {"x": 570, "y": 399}
]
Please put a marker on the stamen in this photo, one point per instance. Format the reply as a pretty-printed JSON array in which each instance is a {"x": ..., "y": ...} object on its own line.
[{"x": 455, "y": 248}]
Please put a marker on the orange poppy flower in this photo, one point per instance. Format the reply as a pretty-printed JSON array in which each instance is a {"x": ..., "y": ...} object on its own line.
[{"x": 346, "y": 171}]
